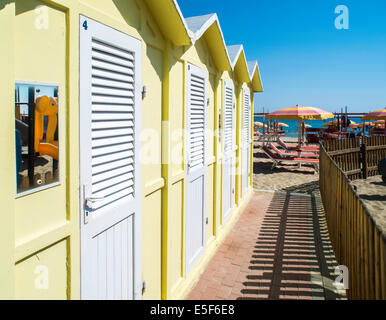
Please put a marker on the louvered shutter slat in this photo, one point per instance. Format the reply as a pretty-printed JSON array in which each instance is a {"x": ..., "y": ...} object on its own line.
[
  {"x": 246, "y": 121},
  {"x": 111, "y": 67},
  {"x": 110, "y": 141},
  {"x": 196, "y": 121},
  {"x": 112, "y": 116},
  {"x": 120, "y": 61},
  {"x": 111, "y": 182},
  {"x": 112, "y": 123},
  {"x": 126, "y": 193},
  {"x": 126, "y": 162},
  {"x": 109, "y": 49},
  {"x": 96, "y": 81},
  {"x": 228, "y": 119},
  {"x": 111, "y": 174},
  {"x": 117, "y": 91},
  {"x": 110, "y": 75},
  {"x": 112, "y": 132}
]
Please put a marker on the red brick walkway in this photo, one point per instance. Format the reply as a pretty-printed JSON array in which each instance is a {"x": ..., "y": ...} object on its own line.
[{"x": 278, "y": 249}]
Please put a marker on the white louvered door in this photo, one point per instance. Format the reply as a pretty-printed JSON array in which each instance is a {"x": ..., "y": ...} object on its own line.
[
  {"x": 110, "y": 177},
  {"x": 227, "y": 186},
  {"x": 246, "y": 147},
  {"x": 196, "y": 167}
]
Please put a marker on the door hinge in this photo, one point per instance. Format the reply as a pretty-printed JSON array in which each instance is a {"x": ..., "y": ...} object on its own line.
[
  {"x": 233, "y": 190},
  {"x": 143, "y": 287},
  {"x": 206, "y": 220}
]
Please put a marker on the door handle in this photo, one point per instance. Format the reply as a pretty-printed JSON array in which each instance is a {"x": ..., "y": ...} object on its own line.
[{"x": 91, "y": 200}]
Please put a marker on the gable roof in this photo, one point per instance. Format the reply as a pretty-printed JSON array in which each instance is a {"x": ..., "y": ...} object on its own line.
[
  {"x": 208, "y": 26},
  {"x": 239, "y": 62},
  {"x": 252, "y": 65},
  {"x": 169, "y": 17},
  {"x": 254, "y": 75}
]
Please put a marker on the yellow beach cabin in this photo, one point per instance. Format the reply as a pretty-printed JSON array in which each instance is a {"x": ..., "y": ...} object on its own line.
[{"x": 127, "y": 138}]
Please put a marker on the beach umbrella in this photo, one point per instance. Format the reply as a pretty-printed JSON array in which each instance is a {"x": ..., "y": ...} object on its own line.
[
  {"x": 365, "y": 124},
  {"x": 379, "y": 123},
  {"x": 284, "y": 125},
  {"x": 300, "y": 113},
  {"x": 333, "y": 123},
  {"x": 376, "y": 115},
  {"x": 307, "y": 126},
  {"x": 259, "y": 124},
  {"x": 354, "y": 125}
]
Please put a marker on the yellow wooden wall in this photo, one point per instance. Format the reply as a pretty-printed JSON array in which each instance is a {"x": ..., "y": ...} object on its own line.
[
  {"x": 46, "y": 223},
  {"x": 176, "y": 282},
  {"x": 39, "y": 232},
  {"x": 7, "y": 160}
]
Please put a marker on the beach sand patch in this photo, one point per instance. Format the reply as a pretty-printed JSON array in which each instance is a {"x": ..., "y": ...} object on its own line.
[{"x": 372, "y": 191}]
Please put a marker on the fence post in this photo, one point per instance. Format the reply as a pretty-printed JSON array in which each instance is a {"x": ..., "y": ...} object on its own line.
[{"x": 364, "y": 160}]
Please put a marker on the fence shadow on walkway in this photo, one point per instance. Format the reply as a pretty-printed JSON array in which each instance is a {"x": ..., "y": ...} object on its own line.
[{"x": 293, "y": 257}]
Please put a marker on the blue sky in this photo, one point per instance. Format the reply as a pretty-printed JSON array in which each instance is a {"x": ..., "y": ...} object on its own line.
[{"x": 303, "y": 58}]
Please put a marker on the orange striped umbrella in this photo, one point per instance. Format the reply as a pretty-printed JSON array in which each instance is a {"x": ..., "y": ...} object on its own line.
[
  {"x": 333, "y": 123},
  {"x": 376, "y": 115},
  {"x": 259, "y": 124},
  {"x": 300, "y": 113},
  {"x": 379, "y": 123}
]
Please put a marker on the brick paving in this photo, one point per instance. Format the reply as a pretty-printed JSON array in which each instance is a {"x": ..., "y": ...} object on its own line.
[{"x": 278, "y": 249}]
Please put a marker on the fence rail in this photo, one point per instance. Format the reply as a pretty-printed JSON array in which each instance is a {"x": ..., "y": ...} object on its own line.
[
  {"x": 358, "y": 157},
  {"x": 358, "y": 243}
]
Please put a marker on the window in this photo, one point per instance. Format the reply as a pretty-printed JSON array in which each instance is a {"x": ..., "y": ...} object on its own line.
[{"x": 36, "y": 135}]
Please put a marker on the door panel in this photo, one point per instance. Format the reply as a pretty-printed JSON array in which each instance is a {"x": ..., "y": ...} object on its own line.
[
  {"x": 115, "y": 249},
  {"x": 228, "y": 151},
  {"x": 246, "y": 146},
  {"x": 195, "y": 219},
  {"x": 110, "y": 177},
  {"x": 196, "y": 177}
]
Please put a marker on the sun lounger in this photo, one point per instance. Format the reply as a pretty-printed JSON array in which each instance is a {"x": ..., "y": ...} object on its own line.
[
  {"x": 294, "y": 147},
  {"x": 267, "y": 137},
  {"x": 294, "y": 154},
  {"x": 276, "y": 158},
  {"x": 258, "y": 136}
]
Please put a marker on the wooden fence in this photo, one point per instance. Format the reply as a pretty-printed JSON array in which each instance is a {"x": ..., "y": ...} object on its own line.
[
  {"x": 358, "y": 157},
  {"x": 358, "y": 243}
]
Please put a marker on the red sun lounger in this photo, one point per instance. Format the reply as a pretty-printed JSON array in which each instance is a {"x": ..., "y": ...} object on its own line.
[
  {"x": 276, "y": 158},
  {"x": 294, "y": 147},
  {"x": 294, "y": 154}
]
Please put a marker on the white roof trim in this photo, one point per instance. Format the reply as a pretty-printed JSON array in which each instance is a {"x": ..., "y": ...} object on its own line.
[
  {"x": 252, "y": 65},
  {"x": 198, "y": 25},
  {"x": 190, "y": 34},
  {"x": 234, "y": 54}
]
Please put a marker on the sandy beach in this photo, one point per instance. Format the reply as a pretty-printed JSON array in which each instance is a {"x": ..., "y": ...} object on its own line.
[
  {"x": 285, "y": 177},
  {"x": 373, "y": 194},
  {"x": 289, "y": 177}
]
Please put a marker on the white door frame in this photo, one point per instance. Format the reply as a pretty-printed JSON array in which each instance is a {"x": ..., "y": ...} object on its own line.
[
  {"x": 92, "y": 225},
  {"x": 227, "y": 155},
  {"x": 193, "y": 174},
  {"x": 246, "y": 146}
]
